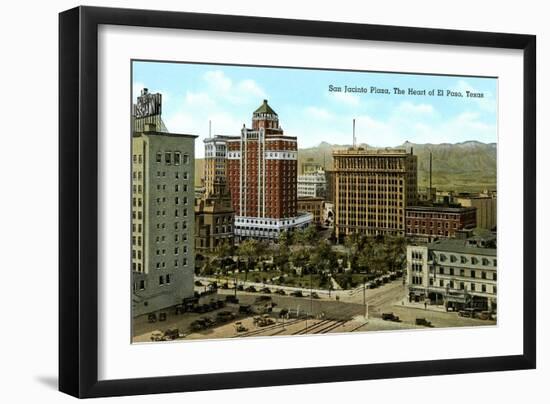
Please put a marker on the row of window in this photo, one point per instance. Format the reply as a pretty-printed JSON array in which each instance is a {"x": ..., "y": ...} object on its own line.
[
  {"x": 176, "y": 158},
  {"x": 176, "y": 251},
  {"x": 162, "y": 264},
  {"x": 176, "y": 213},
  {"x": 473, "y": 260},
  {"x": 177, "y": 187},
  {"x": 462, "y": 272},
  {"x": 184, "y": 175},
  {"x": 176, "y": 224}
]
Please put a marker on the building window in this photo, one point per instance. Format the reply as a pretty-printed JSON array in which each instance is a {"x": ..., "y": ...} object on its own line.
[
  {"x": 161, "y": 280},
  {"x": 168, "y": 279},
  {"x": 185, "y": 159},
  {"x": 484, "y": 275},
  {"x": 177, "y": 158},
  {"x": 494, "y": 276},
  {"x": 473, "y": 287},
  {"x": 168, "y": 158},
  {"x": 142, "y": 284},
  {"x": 159, "y": 158},
  {"x": 483, "y": 288}
]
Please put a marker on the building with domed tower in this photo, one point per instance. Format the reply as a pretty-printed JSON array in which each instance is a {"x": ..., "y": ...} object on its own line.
[{"x": 262, "y": 168}]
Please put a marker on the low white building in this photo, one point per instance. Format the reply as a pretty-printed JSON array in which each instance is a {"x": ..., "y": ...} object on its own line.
[
  {"x": 456, "y": 273},
  {"x": 313, "y": 184}
]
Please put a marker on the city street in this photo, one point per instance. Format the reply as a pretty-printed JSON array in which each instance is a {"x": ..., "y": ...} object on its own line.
[{"x": 325, "y": 315}]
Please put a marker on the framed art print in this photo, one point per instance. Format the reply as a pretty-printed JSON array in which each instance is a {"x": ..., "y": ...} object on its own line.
[{"x": 250, "y": 201}]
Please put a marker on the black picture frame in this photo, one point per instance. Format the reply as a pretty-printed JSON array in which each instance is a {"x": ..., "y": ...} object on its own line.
[{"x": 78, "y": 196}]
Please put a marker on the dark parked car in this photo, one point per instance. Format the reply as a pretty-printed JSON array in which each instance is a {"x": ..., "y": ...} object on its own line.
[
  {"x": 297, "y": 293},
  {"x": 314, "y": 295},
  {"x": 390, "y": 317},
  {"x": 250, "y": 289},
  {"x": 280, "y": 292}
]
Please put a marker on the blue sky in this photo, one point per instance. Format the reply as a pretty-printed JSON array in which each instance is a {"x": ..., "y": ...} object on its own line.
[{"x": 193, "y": 94}]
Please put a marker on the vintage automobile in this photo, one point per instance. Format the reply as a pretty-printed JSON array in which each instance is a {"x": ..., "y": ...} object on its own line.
[
  {"x": 224, "y": 316},
  {"x": 314, "y": 295},
  {"x": 280, "y": 292},
  {"x": 239, "y": 327},
  {"x": 171, "y": 334},
  {"x": 424, "y": 322},
  {"x": 157, "y": 336},
  {"x": 250, "y": 289},
  {"x": 297, "y": 293},
  {"x": 390, "y": 317},
  {"x": 265, "y": 290}
]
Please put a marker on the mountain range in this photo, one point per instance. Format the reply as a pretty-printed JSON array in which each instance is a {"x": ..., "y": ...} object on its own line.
[{"x": 465, "y": 167}]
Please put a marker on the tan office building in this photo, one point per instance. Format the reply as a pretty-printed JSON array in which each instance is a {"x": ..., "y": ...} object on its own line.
[
  {"x": 372, "y": 188},
  {"x": 486, "y": 207}
]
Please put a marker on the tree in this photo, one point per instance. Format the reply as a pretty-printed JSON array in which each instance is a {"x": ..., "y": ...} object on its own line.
[
  {"x": 300, "y": 258},
  {"x": 323, "y": 258},
  {"x": 251, "y": 251},
  {"x": 281, "y": 257},
  {"x": 310, "y": 235}
]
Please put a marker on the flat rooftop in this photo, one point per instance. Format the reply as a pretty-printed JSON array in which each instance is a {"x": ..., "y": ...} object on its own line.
[{"x": 461, "y": 246}]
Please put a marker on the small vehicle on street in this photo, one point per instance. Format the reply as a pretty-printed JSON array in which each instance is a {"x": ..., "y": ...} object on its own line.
[
  {"x": 250, "y": 289},
  {"x": 390, "y": 317},
  {"x": 171, "y": 334},
  {"x": 231, "y": 299},
  {"x": 314, "y": 295},
  {"x": 423, "y": 322},
  {"x": 239, "y": 327},
  {"x": 245, "y": 309},
  {"x": 280, "y": 292},
  {"x": 297, "y": 293},
  {"x": 263, "y": 321},
  {"x": 224, "y": 316},
  {"x": 157, "y": 336},
  {"x": 265, "y": 290}
]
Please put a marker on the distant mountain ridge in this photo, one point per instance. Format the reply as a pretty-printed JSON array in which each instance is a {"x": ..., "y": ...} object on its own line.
[{"x": 465, "y": 167}]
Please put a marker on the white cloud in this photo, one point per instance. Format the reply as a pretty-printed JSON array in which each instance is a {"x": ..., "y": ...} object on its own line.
[
  {"x": 345, "y": 98},
  {"x": 414, "y": 109},
  {"x": 198, "y": 100},
  {"x": 250, "y": 87},
  {"x": 218, "y": 81},
  {"x": 487, "y": 103},
  {"x": 318, "y": 113},
  {"x": 240, "y": 92}
]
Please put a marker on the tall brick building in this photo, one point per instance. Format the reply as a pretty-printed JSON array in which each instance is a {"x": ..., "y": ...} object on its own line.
[{"x": 262, "y": 176}]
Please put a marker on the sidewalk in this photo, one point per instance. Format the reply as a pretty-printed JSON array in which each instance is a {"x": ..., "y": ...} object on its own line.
[{"x": 420, "y": 305}]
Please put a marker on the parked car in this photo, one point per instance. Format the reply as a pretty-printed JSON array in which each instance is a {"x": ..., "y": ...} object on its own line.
[
  {"x": 280, "y": 292},
  {"x": 265, "y": 290},
  {"x": 250, "y": 289},
  {"x": 263, "y": 298},
  {"x": 314, "y": 295},
  {"x": 424, "y": 322},
  {"x": 224, "y": 316},
  {"x": 297, "y": 293},
  {"x": 390, "y": 317},
  {"x": 171, "y": 334}
]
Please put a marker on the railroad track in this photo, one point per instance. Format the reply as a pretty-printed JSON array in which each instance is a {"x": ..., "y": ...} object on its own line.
[
  {"x": 268, "y": 328},
  {"x": 306, "y": 330},
  {"x": 330, "y": 327}
]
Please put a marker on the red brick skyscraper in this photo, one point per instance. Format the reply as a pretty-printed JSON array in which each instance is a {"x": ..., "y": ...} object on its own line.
[{"x": 262, "y": 174}]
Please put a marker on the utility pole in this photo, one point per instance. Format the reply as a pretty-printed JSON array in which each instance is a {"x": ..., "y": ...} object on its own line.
[{"x": 354, "y": 140}]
